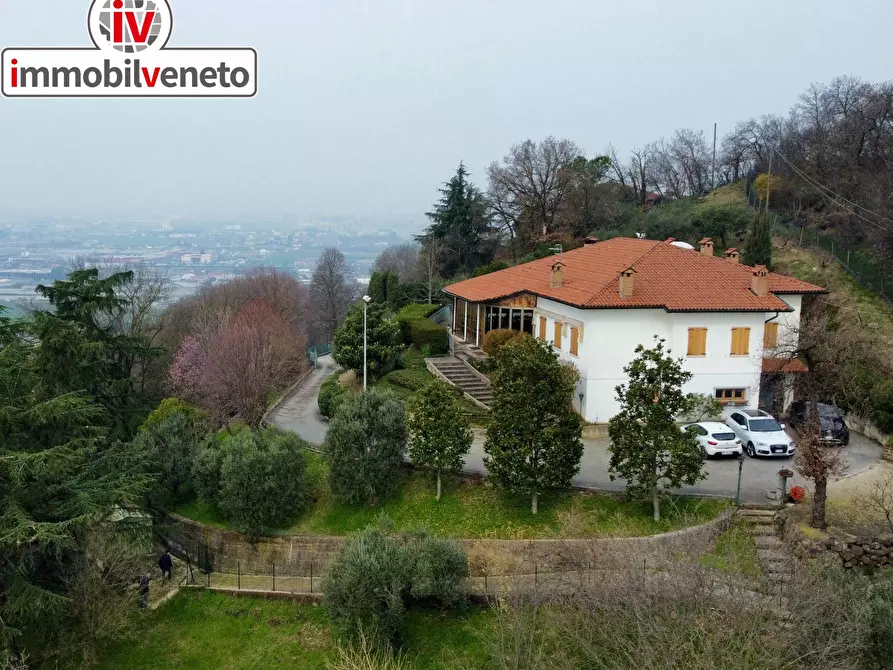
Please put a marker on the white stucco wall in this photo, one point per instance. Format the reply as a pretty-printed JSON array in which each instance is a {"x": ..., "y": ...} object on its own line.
[{"x": 610, "y": 336}]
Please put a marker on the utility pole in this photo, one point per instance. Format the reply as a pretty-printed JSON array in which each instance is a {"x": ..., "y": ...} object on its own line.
[{"x": 713, "y": 171}]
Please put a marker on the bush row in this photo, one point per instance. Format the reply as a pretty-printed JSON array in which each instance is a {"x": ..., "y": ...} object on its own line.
[
  {"x": 421, "y": 333},
  {"x": 331, "y": 394}
]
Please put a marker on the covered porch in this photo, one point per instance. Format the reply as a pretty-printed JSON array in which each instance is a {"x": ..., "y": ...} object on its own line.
[{"x": 473, "y": 320}]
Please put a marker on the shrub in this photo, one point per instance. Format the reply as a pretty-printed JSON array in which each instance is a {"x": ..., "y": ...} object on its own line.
[
  {"x": 262, "y": 480},
  {"x": 206, "y": 471},
  {"x": 496, "y": 339},
  {"x": 495, "y": 266},
  {"x": 882, "y": 407},
  {"x": 378, "y": 573},
  {"x": 439, "y": 569},
  {"x": 364, "y": 447},
  {"x": 424, "y": 333},
  {"x": 411, "y": 380},
  {"x": 331, "y": 393},
  {"x": 411, "y": 314}
]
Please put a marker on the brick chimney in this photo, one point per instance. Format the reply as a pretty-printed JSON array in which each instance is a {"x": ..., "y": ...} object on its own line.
[
  {"x": 706, "y": 246},
  {"x": 733, "y": 254},
  {"x": 556, "y": 278},
  {"x": 626, "y": 283},
  {"x": 759, "y": 283}
]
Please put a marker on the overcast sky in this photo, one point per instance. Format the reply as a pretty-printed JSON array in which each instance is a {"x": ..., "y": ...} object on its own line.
[{"x": 365, "y": 106}]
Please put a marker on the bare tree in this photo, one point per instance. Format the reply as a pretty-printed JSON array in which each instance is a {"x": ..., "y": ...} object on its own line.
[
  {"x": 332, "y": 289},
  {"x": 429, "y": 262},
  {"x": 878, "y": 499},
  {"x": 528, "y": 187},
  {"x": 402, "y": 260}
]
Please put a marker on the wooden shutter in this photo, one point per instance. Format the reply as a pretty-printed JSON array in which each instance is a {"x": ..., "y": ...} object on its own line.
[
  {"x": 740, "y": 341},
  {"x": 697, "y": 341},
  {"x": 557, "y": 341},
  {"x": 575, "y": 335},
  {"x": 770, "y": 335},
  {"x": 543, "y": 328}
]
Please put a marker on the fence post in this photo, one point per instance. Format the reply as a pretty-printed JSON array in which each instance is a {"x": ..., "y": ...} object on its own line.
[
  {"x": 274, "y": 576},
  {"x": 208, "y": 573},
  {"x": 486, "y": 585},
  {"x": 311, "y": 576},
  {"x": 238, "y": 575},
  {"x": 847, "y": 259},
  {"x": 802, "y": 228},
  {"x": 535, "y": 575}
]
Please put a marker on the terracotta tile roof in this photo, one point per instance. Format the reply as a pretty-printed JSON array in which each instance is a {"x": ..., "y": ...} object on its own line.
[
  {"x": 784, "y": 365},
  {"x": 666, "y": 277}
]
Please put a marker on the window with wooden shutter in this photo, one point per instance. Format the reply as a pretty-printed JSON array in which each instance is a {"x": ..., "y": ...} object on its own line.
[
  {"x": 543, "y": 328},
  {"x": 575, "y": 337},
  {"x": 740, "y": 341},
  {"x": 557, "y": 341},
  {"x": 697, "y": 341},
  {"x": 770, "y": 335}
]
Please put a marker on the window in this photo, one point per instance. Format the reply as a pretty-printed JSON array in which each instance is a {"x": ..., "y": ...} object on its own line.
[
  {"x": 557, "y": 340},
  {"x": 731, "y": 396},
  {"x": 770, "y": 335},
  {"x": 543, "y": 328},
  {"x": 697, "y": 341},
  {"x": 575, "y": 337},
  {"x": 696, "y": 429},
  {"x": 739, "y": 419},
  {"x": 740, "y": 341}
]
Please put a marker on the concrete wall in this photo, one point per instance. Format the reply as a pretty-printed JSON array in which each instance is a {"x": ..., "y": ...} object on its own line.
[
  {"x": 297, "y": 555},
  {"x": 610, "y": 336}
]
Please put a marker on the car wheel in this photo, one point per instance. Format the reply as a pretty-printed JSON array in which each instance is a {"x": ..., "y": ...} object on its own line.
[{"x": 750, "y": 450}]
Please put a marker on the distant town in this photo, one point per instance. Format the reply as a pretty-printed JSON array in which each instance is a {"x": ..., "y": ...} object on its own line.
[{"x": 39, "y": 249}]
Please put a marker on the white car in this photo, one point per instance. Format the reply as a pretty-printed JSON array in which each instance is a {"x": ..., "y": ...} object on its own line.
[
  {"x": 760, "y": 433},
  {"x": 714, "y": 438}
]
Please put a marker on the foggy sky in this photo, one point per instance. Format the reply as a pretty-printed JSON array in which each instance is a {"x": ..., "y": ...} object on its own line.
[{"x": 366, "y": 106}]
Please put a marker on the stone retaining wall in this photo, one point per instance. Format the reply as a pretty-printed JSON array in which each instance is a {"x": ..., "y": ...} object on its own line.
[
  {"x": 853, "y": 551},
  {"x": 300, "y": 555}
]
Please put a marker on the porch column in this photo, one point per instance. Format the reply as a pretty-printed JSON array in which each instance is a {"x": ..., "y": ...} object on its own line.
[
  {"x": 455, "y": 307},
  {"x": 465, "y": 326},
  {"x": 477, "y": 328}
]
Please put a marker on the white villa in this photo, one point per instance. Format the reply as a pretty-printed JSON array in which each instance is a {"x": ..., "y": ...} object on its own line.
[{"x": 595, "y": 304}]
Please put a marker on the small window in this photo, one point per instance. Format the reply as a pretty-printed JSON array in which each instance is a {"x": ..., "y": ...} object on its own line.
[
  {"x": 740, "y": 341},
  {"x": 731, "y": 396},
  {"x": 696, "y": 429},
  {"x": 697, "y": 341},
  {"x": 543, "y": 328},
  {"x": 575, "y": 337},
  {"x": 770, "y": 335},
  {"x": 557, "y": 341}
]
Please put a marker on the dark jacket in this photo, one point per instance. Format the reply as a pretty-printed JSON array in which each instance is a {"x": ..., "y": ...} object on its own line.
[{"x": 165, "y": 562}]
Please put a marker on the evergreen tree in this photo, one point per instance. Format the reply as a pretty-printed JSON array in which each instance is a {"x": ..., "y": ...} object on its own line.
[
  {"x": 758, "y": 245},
  {"x": 439, "y": 434},
  {"x": 383, "y": 286},
  {"x": 461, "y": 223},
  {"x": 365, "y": 446},
  {"x": 646, "y": 443},
  {"x": 533, "y": 442},
  {"x": 383, "y": 340}
]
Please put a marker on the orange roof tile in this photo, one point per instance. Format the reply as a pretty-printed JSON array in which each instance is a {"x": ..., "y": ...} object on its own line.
[{"x": 667, "y": 277}]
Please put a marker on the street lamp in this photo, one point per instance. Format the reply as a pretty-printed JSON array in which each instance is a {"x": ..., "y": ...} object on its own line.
[{"x": 366, "y": 300}]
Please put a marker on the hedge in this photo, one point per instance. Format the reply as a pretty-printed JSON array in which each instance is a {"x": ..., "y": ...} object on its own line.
[
  {"x": 412, "y": 314},
  {"x": 425, "y": 333},
  {"x": 331, "y": 393}
]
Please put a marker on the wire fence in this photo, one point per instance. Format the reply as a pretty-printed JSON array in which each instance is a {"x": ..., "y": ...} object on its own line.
[{"x": 869, "y": 269}]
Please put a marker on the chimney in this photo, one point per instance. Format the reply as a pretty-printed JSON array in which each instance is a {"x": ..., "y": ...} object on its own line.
[
  {"x": 556, "y": 279},
  {"x": 591, "y": 240},
  {"x": 706, "y": 246},
  {"x": 733, "y": 254},
  {"x": 626, "y": 283},
  {"x": 670, "y": 240},
  {"x": 759, "y": 284}
]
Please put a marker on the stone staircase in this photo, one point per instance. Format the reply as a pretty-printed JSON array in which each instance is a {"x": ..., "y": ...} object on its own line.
[
  {"x": 464, "y": 377},
  {"x": 777, "y": 561}
]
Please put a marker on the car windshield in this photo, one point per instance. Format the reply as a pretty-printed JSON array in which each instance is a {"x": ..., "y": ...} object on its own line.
[
  {"x": 724, "y": 436},
  {"x": 764, "y": 425}
]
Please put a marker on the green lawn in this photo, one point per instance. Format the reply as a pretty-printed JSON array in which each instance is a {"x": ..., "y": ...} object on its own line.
[
  {"x": 478, "y": 510},
  {"x": 203, "y": 630}
]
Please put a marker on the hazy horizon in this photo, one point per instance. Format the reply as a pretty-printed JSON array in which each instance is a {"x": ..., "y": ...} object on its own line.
[{"x": 365, "y": 108}]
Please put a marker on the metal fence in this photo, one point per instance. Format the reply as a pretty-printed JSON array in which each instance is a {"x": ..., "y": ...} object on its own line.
[
  {"x": 314, "y": 353},
  {"x": 869, "y": 269}
]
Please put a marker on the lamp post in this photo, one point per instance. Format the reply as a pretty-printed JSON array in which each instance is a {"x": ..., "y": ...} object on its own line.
[
  {"x": 366, "y": 301},
  {"x": 738, "y": 492}
]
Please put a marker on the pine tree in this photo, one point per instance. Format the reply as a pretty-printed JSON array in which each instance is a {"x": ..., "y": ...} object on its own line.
[
  {"x": 439, "y": 434},
  {"x": 758, "y": 245},
  {"x": 533, "y": 443},
  {"x": 646, "y": 443},
  {"x": 461, "y": 223}
]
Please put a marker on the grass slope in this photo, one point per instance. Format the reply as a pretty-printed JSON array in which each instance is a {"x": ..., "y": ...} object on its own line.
[
  {"x": 203, "y": 630},
  {"x": 471, "y": 509}
]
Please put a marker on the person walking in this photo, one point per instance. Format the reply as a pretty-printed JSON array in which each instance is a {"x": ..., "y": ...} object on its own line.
[
  {"x": 166, "y": 564},
  {"x": 144, "y": 591}
]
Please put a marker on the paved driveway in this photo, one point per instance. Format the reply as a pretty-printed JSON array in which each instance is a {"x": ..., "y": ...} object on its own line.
[{"x": 299, "y": 412}]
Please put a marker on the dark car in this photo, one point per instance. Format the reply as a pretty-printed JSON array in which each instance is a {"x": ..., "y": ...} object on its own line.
[{"x": 832, "y": 428}]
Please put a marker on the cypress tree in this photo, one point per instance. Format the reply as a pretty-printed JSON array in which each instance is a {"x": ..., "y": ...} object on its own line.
[{"x": 758, "y": 246}]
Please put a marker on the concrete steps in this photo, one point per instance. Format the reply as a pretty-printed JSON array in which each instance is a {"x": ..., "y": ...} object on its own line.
[
  {"x": 465, "y": 378},
  {"x": 776, "y": 560}
]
